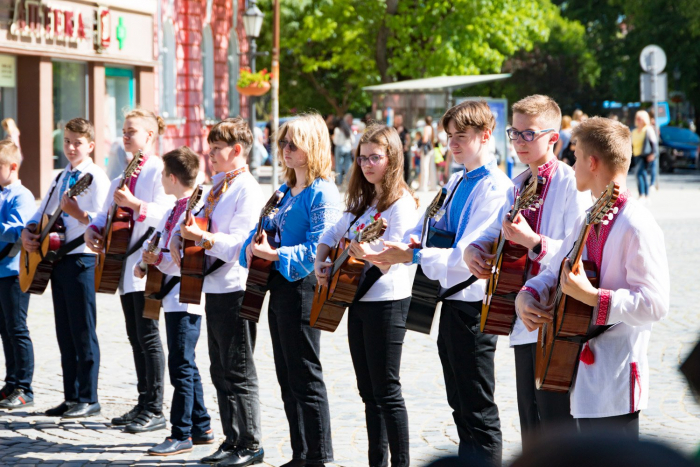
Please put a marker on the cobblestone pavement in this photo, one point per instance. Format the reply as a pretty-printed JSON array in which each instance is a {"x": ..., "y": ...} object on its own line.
[{"x": 673, "y": 416}]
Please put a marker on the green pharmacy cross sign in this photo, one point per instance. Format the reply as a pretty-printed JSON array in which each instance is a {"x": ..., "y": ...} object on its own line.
[{"x": 121, "y": 33}]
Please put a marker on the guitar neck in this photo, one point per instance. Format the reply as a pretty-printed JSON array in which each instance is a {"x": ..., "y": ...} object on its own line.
[
  {"x": 340, "y": 260},
  {"x": 578, "y": 246},
  {"x": 49, "y": 225}
]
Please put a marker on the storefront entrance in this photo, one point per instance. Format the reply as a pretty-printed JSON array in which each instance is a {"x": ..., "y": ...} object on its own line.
[{"x": 120, "y": 89}]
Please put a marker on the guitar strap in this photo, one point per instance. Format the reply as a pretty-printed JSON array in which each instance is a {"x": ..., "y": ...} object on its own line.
[
  {"x": 373, "y": 275},
  {"x": 168, "y": 286},
  {"x": 137, "y": 246},
  {"x": 457, "y": 288},
  {"x": 5, "y": 252}
]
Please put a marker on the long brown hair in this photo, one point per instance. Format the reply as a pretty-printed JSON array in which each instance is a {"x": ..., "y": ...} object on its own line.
[{"x": 361, "y": 193}]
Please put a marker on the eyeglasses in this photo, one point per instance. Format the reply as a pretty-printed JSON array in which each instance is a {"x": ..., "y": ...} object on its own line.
[
  {"x": 372, "y": 159},
  {"x": 528, "y": 135},
  {"x": 284, "y": 143}
]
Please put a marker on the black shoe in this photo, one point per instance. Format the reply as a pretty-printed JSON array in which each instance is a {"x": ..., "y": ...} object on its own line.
[
  {"x": 17, "y": 400},
  {"x": 127, "y": 417},
  {"x": 170, "y": 447},
  {"x": 60, "y": 409},
  {"x": 146, "y": 421},
  {"x": 82, "y": 410},
  {"x": 5, "y": 392},
  {"x": 295, "y": 463},
  {"x": 242, "y": 457},
  {"x": 224, "y": 451},
  {"x": 205, "y": 438}
]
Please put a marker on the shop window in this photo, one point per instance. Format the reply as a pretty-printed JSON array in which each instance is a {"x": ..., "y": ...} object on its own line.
[
  {"x": 234, "y": 99},
  {"x": 208, "y": 72},
  {"x": 69, "y": 101},
  {"x": 8, "y": 83},
  {"x": 168, "y": 65}
]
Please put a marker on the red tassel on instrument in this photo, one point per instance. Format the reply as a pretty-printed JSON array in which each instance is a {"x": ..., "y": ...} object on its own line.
[{"x": 587, "y": 356}]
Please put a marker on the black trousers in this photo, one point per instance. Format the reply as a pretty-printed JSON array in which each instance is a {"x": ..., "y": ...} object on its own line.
[
  {"x": 149, "y": 359},
  {"x": 375, "y": 333},
  {"x": 297, "y": 352},
  {"x": 231, "y": 345},
  {"x": 627, "y": 424},
  {"x": 16, "y": 343},
  {"x": 540, "y": 411},
  {"x": 467, "y": 357},
  {"x": 75, "y": 314}
]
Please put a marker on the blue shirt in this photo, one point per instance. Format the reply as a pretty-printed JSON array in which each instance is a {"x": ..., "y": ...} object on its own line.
[
  {"x": 300, "y": 222},
  {"x": 16, "y": 208},
  {"x": 456, "y": 209}
]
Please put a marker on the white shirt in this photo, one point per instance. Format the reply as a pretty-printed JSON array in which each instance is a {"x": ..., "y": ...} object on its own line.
[
  {"x": 395, "y": 284},
  {"x": 90, "y": 201},
  {"x": 341, "y": 141},
  {"x": 165, "y": 263},
  {"x": 482, "y": 208},
  {"x": 635, "y": 289},
  {"x": 149, "y": 190},
  {"x": 562, "y": 208}
]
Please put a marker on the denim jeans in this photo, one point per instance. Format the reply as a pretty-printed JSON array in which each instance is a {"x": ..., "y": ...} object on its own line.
[
  {"x": 467, "y": 357},
  {"x": 147, "y": 348},
  {"x": 188, "y": 415},
  {"x": 375, "y": 333},
  {"x": 231, "y": 345},
  {"x": 642, "y": 175},
  {"x": 343, "y": 162},
  {"x": 16, "y": 343},
  {"x": 75, "y": 315},
  {"x": 297, "y": 351}
]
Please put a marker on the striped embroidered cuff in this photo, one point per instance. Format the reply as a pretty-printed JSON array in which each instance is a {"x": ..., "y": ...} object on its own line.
[
  {"x": 94, "y": 228},
  {"x": 143, "y": 210},
  {"x": 531, "y": 291},
  {"x": 477, "y": 247},
  {"x": 159, "y": 260},
  {"x": 543, "y": 251},
  {"x": 604, "y": 297}
]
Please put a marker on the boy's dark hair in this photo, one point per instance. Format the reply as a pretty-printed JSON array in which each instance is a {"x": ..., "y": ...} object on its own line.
[
  {"x": 82, "y": 127},
  {"x": 470, "y": 114},
  {"x": 232, "y": 131},
  {"x": 184, "y": 164}
]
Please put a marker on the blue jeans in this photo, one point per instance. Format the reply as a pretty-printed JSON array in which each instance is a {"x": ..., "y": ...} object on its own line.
[
  {"x": 653, "y": 169},
  {"x": 642, "y": 177},
  {"x": 75, "y": 313},
  {"x": 19, "y": 351},
  {"x": 188, "y": 415}
]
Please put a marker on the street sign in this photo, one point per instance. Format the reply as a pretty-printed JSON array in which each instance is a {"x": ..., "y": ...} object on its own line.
[
  {"x": 645, "y": 86},
  {"x": 652, "y": 59}
]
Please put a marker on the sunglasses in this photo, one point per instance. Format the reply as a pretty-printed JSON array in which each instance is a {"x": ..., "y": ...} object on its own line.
[
  {"x": 372, "y": 159},
  {"x": 528, "y": 135},
  {"x": 288, "y": 144}
]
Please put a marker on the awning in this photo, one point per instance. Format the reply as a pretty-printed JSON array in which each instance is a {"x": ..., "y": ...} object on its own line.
[{"x": 434, "y": 85}]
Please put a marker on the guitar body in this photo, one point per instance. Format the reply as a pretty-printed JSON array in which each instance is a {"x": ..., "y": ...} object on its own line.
[
  {"x": 259, "y": 271},
  {"x": 331, "y": 301},
  {"x": 154, "y": 282},
  {"x": 424, "y": 300},
  {"x": 34, "y": 270},
  {"x": 108, "y": 271},
  {"x": 498, "y": 309},
  {"x": 557, "y": 354},
  {"x": 192, "y": 268}
]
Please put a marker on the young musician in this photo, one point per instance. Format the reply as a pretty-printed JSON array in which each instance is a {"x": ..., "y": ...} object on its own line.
[
  {"x": 611, "y": 384},
  {"x": 310, "y": 207},
  {"x": 474, "y": 200},
  {"x": 73, "y": 275},
  {"x": 377, "y": 321},
  {"x": 231, "y": 207},
  {"x": 188, "y": 415},
  {"x": 143, "y": 194},
  {"x": 16, "y": 208},
  {"x": 534, "y": 133}
]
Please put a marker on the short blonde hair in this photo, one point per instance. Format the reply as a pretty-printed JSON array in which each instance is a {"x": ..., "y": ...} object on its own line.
[
  {"x": 9, "y": 153},
  {"x": 540, "y": 106},
  {"x": 309, "y": 133},
  {"x": 470, "y": 114},
  {"x": 608, "y": 139},
  {"x": 644, "y": 115},
  {"x": 565, "y": 122},
  {"x": 151, "y": 120}
]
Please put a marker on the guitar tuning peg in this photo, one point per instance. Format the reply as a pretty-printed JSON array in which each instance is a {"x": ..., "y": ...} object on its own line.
[
  {"x": 610, "y": 216},
  {"x": 615, "y": 210},
  {"x": 606, "y": 222}
]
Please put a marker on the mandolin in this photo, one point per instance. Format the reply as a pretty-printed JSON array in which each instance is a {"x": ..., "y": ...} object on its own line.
[
  {"x": 331, "y": 300},
  {"x": 35, "y": 268},
  {"x": 259, "y": 269},
  {"x": 559, "y": 343},
  {"x": 154, "y": 282},
  {"x": 193, "y": 258},
  {"x": 117, "y": 235},
  {"x": 510, "y": 269}
]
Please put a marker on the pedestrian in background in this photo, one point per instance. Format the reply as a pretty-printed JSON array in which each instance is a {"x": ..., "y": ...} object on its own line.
[
  {"x": 643, "y": 150},
  {"x": 343, "y": 139},
  {"x": 564, "y": 136}
]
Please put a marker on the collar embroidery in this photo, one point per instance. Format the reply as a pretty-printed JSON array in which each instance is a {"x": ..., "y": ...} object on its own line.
[
  {"x": 596, "y": 242},
  {"x": 175, "y": 213},
  {"x": 219, "y": 189}
]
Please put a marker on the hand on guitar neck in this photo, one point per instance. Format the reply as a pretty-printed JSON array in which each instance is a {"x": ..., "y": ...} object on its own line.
[
  {"x": 575, "y": 284},
  {"x": 190, "y": 230},
  {"x": 69, "y": 205},
  {"x": 260, "y": 247},
  {"x": 125, "y": 199},
  {"x": 519, "y": 231}
]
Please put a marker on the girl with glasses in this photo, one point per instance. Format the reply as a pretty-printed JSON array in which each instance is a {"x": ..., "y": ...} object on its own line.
[{"x": 377, "y": 319}]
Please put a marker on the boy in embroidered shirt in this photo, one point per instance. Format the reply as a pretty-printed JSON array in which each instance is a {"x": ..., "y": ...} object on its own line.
[
  {"x": 535, "y": 130},
  {"x": 466, "y": 354},
  {"x": 611, "y": 383},
  {"x": 73, "y": 276},
  {"x": 16, "y": 207}
]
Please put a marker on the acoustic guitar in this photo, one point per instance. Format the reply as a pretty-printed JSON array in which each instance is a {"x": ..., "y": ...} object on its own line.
[
  {"x": 154, "y": 282},
  {"x": 424, "y": 292},
  {"x": 331, "y": 300},
  {"x": 35, "y": 268},
  {"x": 117, "y": 235},
  {"x": 559, "y": 343},
  {"x": 510, "y": 269},
  {"x": 259, "y": 269},
  {"x": 193, "y": 258}
]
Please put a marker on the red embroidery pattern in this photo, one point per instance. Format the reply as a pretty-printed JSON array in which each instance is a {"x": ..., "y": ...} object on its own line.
[
  {"x": 175, "y": 213},
  {"x": 531, "y": 291},
  {"x": 132, "y": 186},
  {"x": 534, "y": 218},
  {"x": 596, "y": 242},
  {"x": 603, "y": 306},
  {"x": 635, "y": 381}
]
